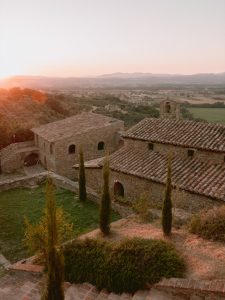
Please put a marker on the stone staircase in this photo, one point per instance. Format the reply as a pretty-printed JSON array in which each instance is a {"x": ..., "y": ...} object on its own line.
[{"x": 87, "y": 291}]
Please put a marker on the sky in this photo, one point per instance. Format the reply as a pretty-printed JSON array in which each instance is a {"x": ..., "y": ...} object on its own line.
[{"x": 92, "y": 37}]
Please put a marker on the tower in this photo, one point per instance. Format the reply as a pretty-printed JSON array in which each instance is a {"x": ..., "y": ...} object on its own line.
[{"x": 169, "y": 109}]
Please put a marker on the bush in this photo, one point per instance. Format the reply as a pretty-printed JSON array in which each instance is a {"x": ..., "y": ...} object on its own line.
[
  {"x": 141, "y": 207},
  {"x": 85, "y": 261},
  {"x": 209, "y": 224},
  {"x": 36, "y": 235},
  {"x": 125, "y": 266}
]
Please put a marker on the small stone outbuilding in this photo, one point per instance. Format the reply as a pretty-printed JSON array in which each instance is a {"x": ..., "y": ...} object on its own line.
[{"x": 59, "y": 142}]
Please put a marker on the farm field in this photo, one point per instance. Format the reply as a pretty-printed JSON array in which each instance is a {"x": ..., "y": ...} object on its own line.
[
  {"x": 214, "y": 115},
  {"x": 19, "y": 203}
]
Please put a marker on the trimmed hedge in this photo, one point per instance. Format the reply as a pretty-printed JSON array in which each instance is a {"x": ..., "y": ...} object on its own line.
[
  {"x": 209, "y": 224},
  {"x": 125, "y": 266}
]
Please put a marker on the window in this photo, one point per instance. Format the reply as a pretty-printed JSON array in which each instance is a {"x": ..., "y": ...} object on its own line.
[
  {"x": 168, "y": 107},
  {"x": 191, "y": 152},
  {"x": 72, "y": 149},
  {"x": 150, "y": 146},
  {"x": 101, "y": 146}
]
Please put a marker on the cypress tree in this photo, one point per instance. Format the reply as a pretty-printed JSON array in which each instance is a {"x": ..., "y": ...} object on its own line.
[
  {"x": 105, "y": 208},
  {"x": 167, "y": 203},
  {"x": 82, "y": 180},
  {"x": 55, "y": 265}
]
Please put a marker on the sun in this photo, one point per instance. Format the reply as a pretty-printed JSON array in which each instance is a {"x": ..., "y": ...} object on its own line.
[{"x": 8, "y": 69}]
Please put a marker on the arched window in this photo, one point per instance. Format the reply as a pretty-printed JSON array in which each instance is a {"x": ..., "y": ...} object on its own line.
[
  {"x": 118, "y": 189},
  {"x": 168, "y": 107},
  {"x": 101, "y": 146},
  {"x": 72, "y": 149}
]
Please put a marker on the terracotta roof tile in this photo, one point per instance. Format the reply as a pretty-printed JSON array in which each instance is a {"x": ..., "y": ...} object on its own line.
[
  {"x": 180, "y": 132},
  {"x": 79, "y": 124},
  {"x": 189, "y": 174}
]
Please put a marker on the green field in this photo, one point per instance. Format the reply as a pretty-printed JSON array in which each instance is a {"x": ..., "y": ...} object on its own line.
[
  {"x": 17, "y": 203},
  {"x": 214, "y": 115}
]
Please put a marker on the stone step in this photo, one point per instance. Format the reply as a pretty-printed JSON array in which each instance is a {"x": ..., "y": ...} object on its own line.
[{"x": 140, "y": 295}]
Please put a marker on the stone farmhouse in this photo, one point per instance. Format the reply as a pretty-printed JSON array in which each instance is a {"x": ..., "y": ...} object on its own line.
[
  {"x": 198, "y": 161},
  {"x": 56, "y": 145}
]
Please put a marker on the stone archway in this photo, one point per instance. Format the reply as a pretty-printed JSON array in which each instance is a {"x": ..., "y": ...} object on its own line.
[
  {"x": 118, "y": 189},
  {"x": 31, "y": 159}
]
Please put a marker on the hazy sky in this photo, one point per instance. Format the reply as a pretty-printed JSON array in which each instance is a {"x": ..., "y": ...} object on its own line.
[{"x": 91, "y": 37}]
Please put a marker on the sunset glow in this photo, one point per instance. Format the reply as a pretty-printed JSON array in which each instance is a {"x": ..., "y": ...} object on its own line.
[{"x": 93, "y": 37}]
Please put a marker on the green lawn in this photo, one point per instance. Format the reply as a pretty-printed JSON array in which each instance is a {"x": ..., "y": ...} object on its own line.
[
  {"x": 17, "y": 203},
  {"x": 214, "y": 115}
]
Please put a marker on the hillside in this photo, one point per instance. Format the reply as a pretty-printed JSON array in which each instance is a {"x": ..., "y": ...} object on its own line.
[
  {"x": 115, "y": 80},
  {"x": 22, "y": 109}
]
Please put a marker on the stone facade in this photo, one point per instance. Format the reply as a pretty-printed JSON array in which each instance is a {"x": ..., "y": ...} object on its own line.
[
  {"x": 134, "y": 187},
  {"x": 170, "y": 109},
  {"x": 55, "y": 156},
  {"x": 176, "y": 151},
  {"x": 56, "y": 145}
]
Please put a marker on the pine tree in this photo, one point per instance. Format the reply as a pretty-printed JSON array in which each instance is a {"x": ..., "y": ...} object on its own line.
[
  {"x": 105, "y": 209},
  {"x": 82, "y": 180},
  {"x": 55, "y": 265},
  {"x": 167, "y": 203}
]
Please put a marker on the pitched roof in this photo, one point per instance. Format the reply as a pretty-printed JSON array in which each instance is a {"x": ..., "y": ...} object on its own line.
[
  {"x": 189, "y": 174},
  {"x": 185, "y": 133},
  {"x": 76, "y": 124}
]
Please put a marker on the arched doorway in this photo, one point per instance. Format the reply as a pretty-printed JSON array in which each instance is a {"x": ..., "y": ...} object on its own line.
[
  {"x": 31, "y": 159},
  {"x": 118, "y": 189}
]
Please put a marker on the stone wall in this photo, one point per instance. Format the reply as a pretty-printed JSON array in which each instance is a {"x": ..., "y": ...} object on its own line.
[
  {"x": 188, "y": 289},
  {"x": 12, "y": 156},
  {"x": 47, "y": 157},
  {"x": 134, "y": 187},
  {"x": 23, "y": 181},
  {"x": 89, "y": 141},
  {"x": 178, "y": 151}
]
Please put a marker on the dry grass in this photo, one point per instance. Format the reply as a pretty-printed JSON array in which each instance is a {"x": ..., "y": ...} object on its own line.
[{"x": 205, "y": 259}]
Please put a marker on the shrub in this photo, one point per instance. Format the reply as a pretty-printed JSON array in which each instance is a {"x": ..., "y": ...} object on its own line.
[
  {"x": 85, "y": 261},
  {"x": 36, "y": 235},
  {"x": 141, "y": 207},
  {"x": 209, "y": 224},
  {"x": 125, "y": 266}
]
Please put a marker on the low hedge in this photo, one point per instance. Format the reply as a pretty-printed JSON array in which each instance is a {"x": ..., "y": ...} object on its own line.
[
  {"x": 119, "y": 267},
  {"x": 209, "y": 224}
]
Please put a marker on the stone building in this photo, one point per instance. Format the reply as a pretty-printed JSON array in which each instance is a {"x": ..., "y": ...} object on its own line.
[
  {"x": 198, "y": 162},
  {"x": 56, "y": 145},
  {"x": 58, "y": 142}
]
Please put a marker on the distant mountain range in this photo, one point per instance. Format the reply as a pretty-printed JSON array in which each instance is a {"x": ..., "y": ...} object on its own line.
[{"x": 114, "y": 80}]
